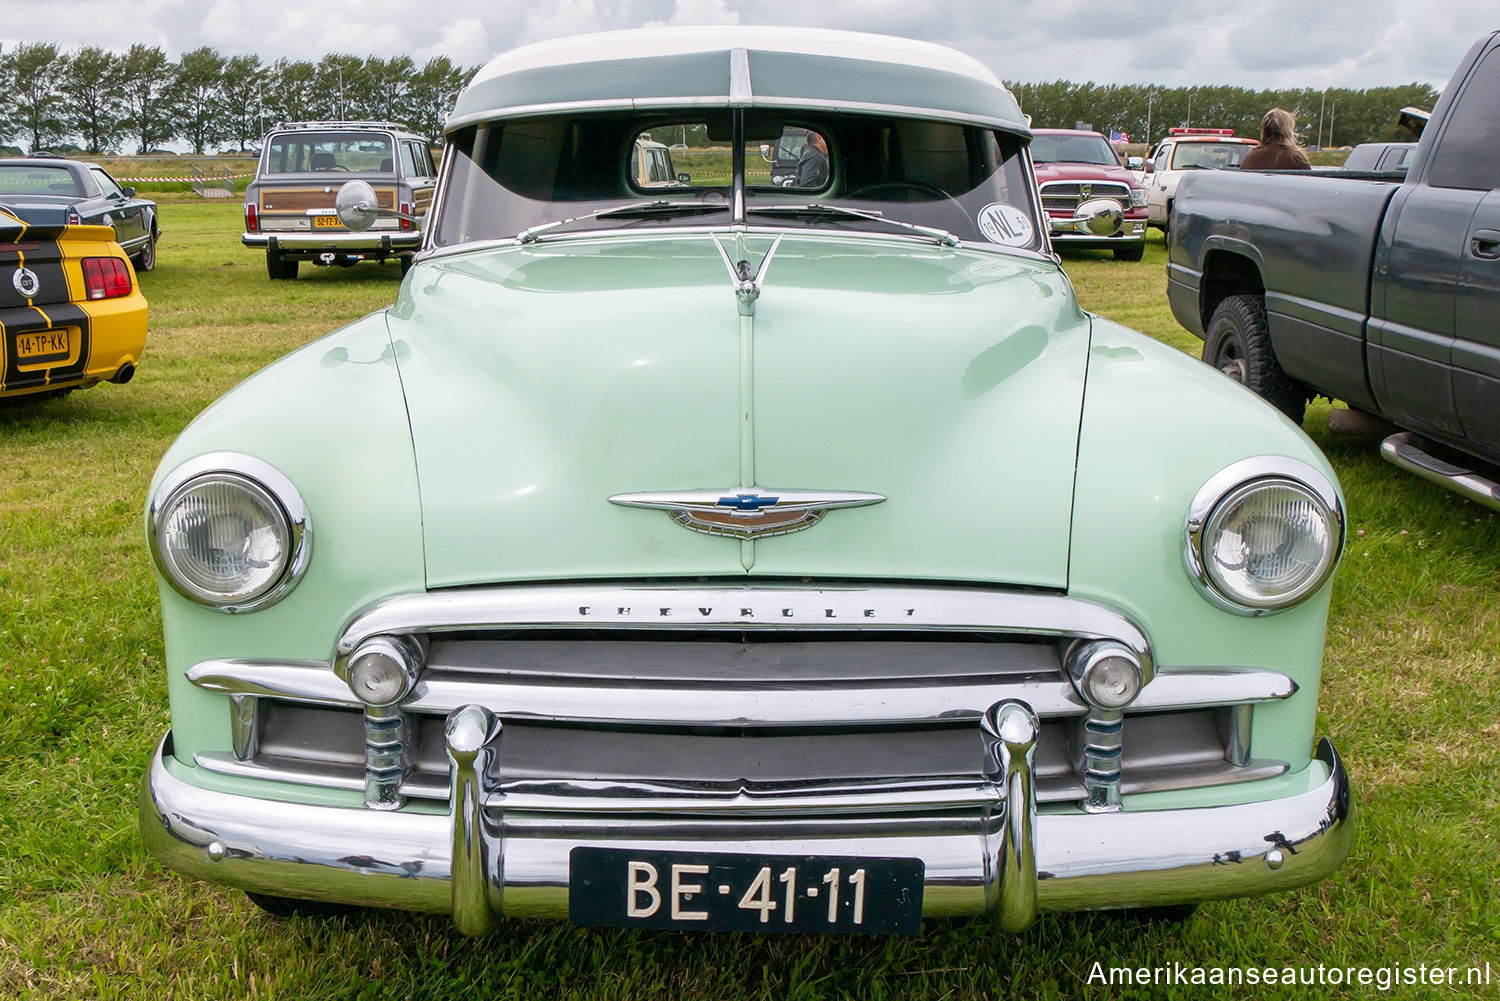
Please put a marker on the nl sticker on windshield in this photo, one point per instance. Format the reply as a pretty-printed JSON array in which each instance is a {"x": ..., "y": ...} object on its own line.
[{"x": 1004, "y": 224}]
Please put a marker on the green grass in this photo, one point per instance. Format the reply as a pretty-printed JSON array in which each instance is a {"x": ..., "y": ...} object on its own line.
[{"x": 1412, "y": 697}]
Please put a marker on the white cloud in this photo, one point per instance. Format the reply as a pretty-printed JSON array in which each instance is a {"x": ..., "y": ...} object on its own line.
[{"x": 698, "y": 12}]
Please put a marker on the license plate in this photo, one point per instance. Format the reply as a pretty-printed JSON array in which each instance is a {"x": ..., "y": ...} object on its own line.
[
  {"x": 624, "y": 888},
  {"x": 327, "y": 222},
  {"x": 49, "y": 345}
]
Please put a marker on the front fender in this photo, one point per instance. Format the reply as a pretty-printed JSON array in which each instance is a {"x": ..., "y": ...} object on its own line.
[{"x": 331, "y": 417}]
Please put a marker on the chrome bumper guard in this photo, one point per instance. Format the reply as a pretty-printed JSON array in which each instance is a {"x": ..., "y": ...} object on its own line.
[{"x": 481, "y": 861}]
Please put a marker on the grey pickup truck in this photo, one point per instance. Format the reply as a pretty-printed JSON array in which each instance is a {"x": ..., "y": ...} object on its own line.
[{"x": 1381, "y": 290}]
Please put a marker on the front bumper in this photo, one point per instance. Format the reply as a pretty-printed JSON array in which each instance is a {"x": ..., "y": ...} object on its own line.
[
  {"x": 311, "y": 243},
  {"x": 477, "y": 862}
]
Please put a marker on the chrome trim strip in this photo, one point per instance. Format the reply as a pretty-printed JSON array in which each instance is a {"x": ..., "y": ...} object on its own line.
[
  {"x": 744, "y": 608},
  {"x": 405, "y": 859},
  {"x": 739, "y": 706},
  {"x": 739, "y": 77},
  {"x": 615, "y": 798},
  {"x": 244, "y": 726}
]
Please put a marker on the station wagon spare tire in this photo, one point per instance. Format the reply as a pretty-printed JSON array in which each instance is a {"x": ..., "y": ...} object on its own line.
[
  {"x": 280, "y": 268},
  {"x": 1238, "y": 343}
]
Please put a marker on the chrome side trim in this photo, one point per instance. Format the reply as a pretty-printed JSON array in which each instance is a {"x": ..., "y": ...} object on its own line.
[
  {"x": 744, "y": 608},
  {"x": 740, "y": 706},
  {"x": 1409, "y": 452},
  {"x": 405, "y": 859}
]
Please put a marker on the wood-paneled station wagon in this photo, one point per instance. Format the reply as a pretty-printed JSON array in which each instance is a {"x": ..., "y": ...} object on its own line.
[
  {"x": 289, "y": 207},
  {"x": 739, "y": 555}
]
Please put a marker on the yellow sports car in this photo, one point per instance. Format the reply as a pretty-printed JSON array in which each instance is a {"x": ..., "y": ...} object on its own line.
[{"x": 71, "y": 312}]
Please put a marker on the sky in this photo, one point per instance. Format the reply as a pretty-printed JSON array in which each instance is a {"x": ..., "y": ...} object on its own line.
[{"x": 1248, "y": 43}]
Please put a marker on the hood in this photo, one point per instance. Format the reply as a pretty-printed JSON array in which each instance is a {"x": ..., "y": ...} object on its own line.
[
  {"x": 1060, "y": 171},
  {"x": 542, "y": 380}
]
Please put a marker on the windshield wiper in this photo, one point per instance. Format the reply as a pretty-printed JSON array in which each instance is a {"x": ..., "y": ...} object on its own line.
[
  {"x": 530, "y": 234},
  {"x": 942, "y": 236}
]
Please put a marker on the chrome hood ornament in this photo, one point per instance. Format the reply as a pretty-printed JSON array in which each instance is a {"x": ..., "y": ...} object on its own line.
[{"x": 747, "y": 512}]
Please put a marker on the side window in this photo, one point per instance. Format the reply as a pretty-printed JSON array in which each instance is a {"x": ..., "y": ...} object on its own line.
[
  {"x": 1468, "y": 154},
  {"x": 409, "y": 166},
  {"x": 107, "y": 184}
]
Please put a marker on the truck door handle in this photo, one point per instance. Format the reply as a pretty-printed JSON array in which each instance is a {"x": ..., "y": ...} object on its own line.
[{"x": 1485, "y": 243}]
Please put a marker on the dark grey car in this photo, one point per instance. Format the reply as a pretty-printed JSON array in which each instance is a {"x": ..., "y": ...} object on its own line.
[{"x": 50, "y": 192}]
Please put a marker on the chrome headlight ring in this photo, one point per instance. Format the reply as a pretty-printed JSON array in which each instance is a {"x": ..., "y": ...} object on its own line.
[
  {"x": 1237, "y": 483},
  {"x": 261, "y": 483}
]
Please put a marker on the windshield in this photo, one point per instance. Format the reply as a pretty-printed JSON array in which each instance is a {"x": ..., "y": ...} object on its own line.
[
  {"x": 585, "y": 172},
  {"x": 1073, "y": 149},
  {"x": 1215, "y": 156},
  {"x": 340, "y": 152},
  {"x": 34, "y": 180}
]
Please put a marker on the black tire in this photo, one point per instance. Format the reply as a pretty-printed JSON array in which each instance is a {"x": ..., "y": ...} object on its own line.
[
  {"x": 146, "y": 259},
  {"x": 1131, "y": 252},
  {"x": 405, "y": 266},
  {"x": 1238, "y": 343},
  {"x": 289, "y": 907},
  {"x": 1166, "y": 224},
  {"x": 281, "y": 269}
]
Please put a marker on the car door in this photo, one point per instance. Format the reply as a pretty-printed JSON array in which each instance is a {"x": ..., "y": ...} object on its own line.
[
  {"x": 127, "y": 215},
  {"x": 1434, "y": 342},
  {"x": 421, "y": 175},
  {"x": 1156, "y": 183}
]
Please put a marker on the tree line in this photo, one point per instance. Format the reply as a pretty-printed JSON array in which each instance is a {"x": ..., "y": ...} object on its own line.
[
  {"x": 95, "y": 100},
  {"x": 1344, "y": 117},
  {"x": 99, "y": 101}
]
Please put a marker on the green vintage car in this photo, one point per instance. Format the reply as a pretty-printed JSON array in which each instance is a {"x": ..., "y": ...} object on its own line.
[{"x": 738, "y": 554}]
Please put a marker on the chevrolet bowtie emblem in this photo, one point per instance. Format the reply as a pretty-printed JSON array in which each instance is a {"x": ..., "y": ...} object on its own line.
[{"x": 746, "y": 512}]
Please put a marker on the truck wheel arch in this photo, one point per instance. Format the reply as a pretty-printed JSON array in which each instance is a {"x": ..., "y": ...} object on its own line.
[{"x": 1226, "y": 272}]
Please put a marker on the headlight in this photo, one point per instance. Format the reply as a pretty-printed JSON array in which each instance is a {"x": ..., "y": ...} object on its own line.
[
  {"x": 1263, "y": 535},
  {"x": 230, "y": 532},
  {"x": 1137, "y": 197}
]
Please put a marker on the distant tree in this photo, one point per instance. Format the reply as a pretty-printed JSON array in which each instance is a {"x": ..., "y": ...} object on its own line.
[
  {"x": 240, "y": 97},
  {"x": 387, "y": 83},
  {"x": 431, "y": 95},
  {"x": 344, "y": 90},
  {"x": 36, "y": 72},
  {"x": 93, "y": 98},
  {"x": 291, "y": 92},
  {"x": 197, "y": 80},
  {"x": 150, "y": 110}
]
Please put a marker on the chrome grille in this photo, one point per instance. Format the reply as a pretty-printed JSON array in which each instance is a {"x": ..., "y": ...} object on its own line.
[
  {"x": 667, "y": 712},
  {"x": 1066, "y": 196}
]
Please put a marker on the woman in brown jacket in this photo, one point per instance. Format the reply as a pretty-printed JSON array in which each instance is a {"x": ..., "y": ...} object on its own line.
[{"x": 1278, "y": 149}]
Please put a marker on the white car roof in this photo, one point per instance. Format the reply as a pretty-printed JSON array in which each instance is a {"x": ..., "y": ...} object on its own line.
[{"x": 739, "y": 66}]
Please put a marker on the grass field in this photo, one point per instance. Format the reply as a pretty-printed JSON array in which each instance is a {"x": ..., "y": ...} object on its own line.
[{"x": 1411, "y": 697}]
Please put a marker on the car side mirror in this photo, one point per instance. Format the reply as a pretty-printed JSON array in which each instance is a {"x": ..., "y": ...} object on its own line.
[
  {"x": 1134, "y": 162},
  {"x": 358, "y": 208},
  {"x": 765, "y": 152},
  {"x": 1150, "y": 166},
  {"x": 129, "y": 192},
  {"x": 684, "y": 178}
]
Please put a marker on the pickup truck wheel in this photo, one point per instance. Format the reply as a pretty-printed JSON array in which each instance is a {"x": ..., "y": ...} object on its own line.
[
  {"x": 146, "y": 259},
  {"x": 280, "y": 268},
  {"x": 1238, "y": 343},
  {"x": 1134, "y": 252}
]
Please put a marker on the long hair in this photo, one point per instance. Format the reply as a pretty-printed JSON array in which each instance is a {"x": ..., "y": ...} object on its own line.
[{"x": 1279, "y": 127}]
